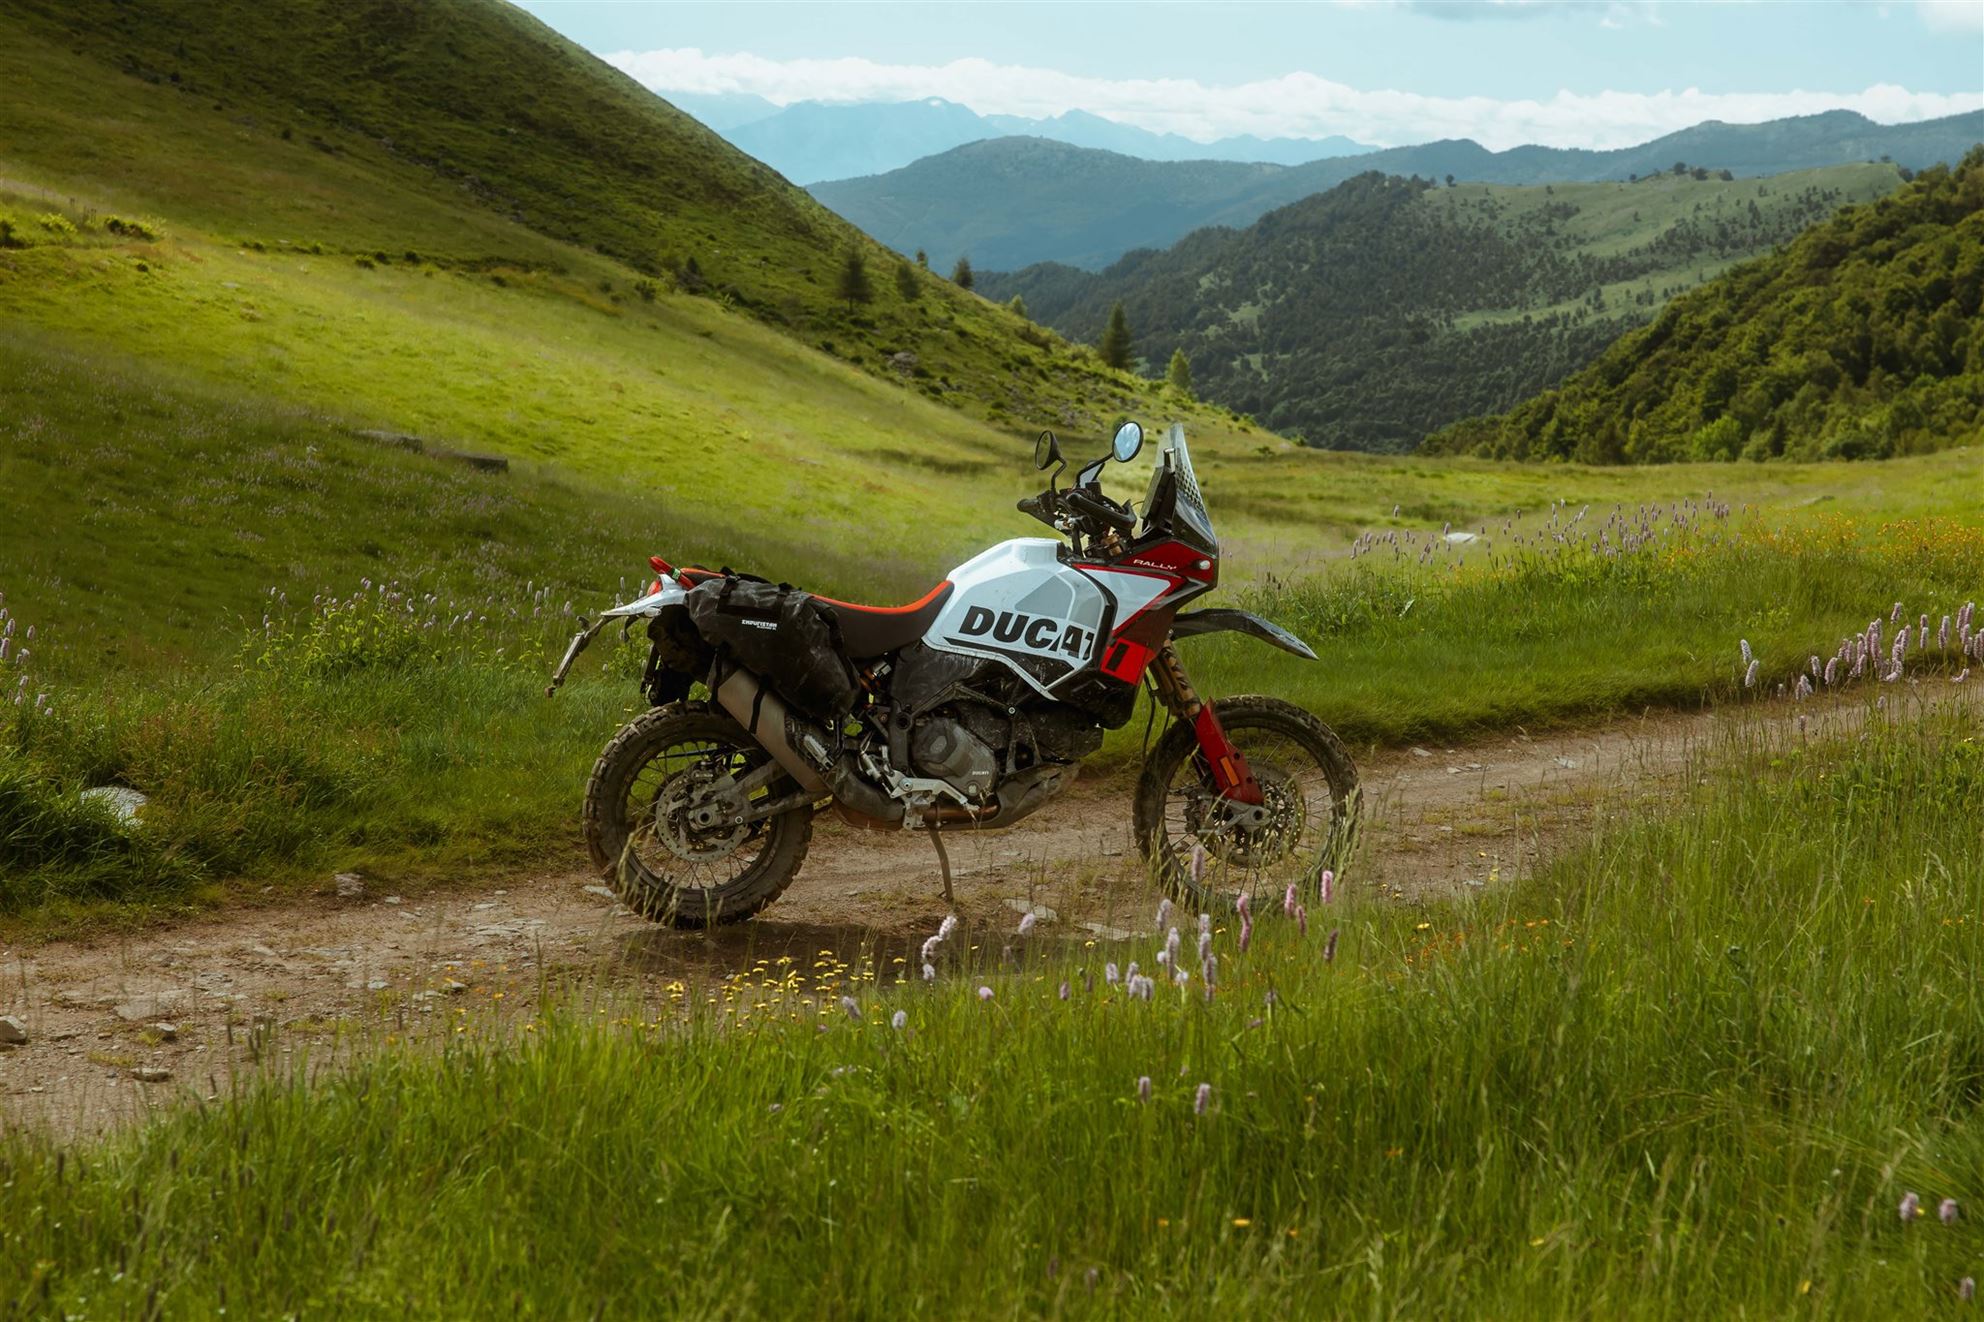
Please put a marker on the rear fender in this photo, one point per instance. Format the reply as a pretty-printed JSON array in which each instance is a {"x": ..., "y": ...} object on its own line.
[{"x": 1221, "y": 620}]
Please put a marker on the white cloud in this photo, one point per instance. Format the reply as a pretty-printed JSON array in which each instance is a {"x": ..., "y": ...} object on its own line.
[
  {"x": 1295, "y": 105},
  {"x": 1952, "y": 15}
]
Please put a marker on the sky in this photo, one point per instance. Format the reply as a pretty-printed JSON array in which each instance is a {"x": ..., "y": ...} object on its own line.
[{"x": 1569, "y": 73}]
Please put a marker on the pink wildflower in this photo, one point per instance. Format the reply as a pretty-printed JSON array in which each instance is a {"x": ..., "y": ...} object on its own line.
[
  {"x": 1202, "y": 1100},
  {"x": 1326, "y": 886}
]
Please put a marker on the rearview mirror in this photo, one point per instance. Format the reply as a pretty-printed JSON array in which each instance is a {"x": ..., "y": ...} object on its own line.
[
  {"x": 1129, "y": 441},
  {"x": 1046, "y": 451}
]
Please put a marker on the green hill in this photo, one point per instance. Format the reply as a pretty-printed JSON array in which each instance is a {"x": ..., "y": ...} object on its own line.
[
  {"x": 1014, "y": 202},
  {"x": 1862, "y": 339},
  {"x": 462, "y": 138},
  {"x": 1367, "y": 316}
]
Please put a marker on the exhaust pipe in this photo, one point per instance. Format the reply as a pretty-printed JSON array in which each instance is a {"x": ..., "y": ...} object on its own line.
[{"x": 755, "y": 707}]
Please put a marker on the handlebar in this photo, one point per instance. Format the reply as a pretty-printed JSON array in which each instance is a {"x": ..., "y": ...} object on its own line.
[{"x": 1100, "y": 508}]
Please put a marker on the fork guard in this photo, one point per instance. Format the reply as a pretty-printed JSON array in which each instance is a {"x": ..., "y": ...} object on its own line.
[{"x": 1219, "y": 619}]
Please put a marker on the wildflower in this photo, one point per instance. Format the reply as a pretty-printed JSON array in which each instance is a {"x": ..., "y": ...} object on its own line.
[
  {"x": 1288, "y": 901},
  {"x": 1132, "y": 971},
  {"x": 1179, "y": 977},
  {"x": 1198, "y": 863},
  {"x": 1966, "y": 1289},
  {"x": 929, "y": 972},
  {"x": 852, "y": 1006},
  {"x": 1745, "y": 645},
  {"x": 948, "y": 926},
  {"x": 1911, "y": 1204},
  {"x": 1832, "y": 671},
  {"x": 1026, "y": 923},
  {"x": 1329, "y": 946},
  {"x": 1164, "y": 913},
  {"x": 1946, "y": 1211},
  {"x": 984, "y": 993},
  {"x": 1943, "y": 635},
  {"x": 1171, "y": 944},
  {"x": 1326, "y": 886},
  {"x": 1895, "y": 614},
  {"x": 1209, "y": 970},
  {"x": 1750, "y": 676},
  {"x": 1202, "y": 1099},
  {"x": 1302, "y": 919},
  {"x": 1922, "y": 634},
  {"x": 899, "y": 1020},
  {"x": 1804, "y": 689},
  {"x": 1246, "y": 932},
  {"x": 1960, "y": 675},
  {"x": 1109, "y": 973},
  {"x": 1815, "y": 665},
  {"x": 1143, "y": 1087},
  {"x": 1064, "y": 991}
]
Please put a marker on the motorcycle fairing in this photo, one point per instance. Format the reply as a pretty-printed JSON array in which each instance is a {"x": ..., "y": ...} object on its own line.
[{"x": 1020, "y": 605}]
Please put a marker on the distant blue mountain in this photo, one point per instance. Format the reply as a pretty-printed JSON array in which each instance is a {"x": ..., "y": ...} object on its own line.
[{"x": 810, "y": 141}]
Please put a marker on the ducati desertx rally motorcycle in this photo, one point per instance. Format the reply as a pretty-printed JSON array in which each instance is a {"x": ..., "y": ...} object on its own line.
[{"x": 968, "y": 709}]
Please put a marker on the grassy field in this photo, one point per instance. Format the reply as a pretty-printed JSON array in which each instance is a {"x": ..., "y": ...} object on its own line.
[
  {"x": 175, "y": 544},
  {"x": 1692, "y": 1069}
]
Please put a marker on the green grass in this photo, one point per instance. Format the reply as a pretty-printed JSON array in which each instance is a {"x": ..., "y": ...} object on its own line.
[{"x": 1689, "y": 1070}]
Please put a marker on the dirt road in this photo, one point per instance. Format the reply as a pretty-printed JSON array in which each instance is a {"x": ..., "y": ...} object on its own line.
[{"x": 123, "y": 1025}]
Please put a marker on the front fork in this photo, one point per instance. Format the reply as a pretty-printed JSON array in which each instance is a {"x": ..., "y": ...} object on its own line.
[{"x": 1231, "y": 775}]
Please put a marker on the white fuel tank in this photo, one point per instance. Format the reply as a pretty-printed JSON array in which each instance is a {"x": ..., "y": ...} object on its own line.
[{"x": 1017, "y": 603}]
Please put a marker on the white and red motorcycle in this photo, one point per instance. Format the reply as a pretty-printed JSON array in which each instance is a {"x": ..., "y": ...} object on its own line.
[{"x": 968, "y": 709}]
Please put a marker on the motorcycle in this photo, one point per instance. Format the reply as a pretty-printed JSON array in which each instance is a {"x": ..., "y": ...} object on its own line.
[{"x": 967, "y": 709}]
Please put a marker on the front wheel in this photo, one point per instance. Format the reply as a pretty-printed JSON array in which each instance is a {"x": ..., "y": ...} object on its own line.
[
  {"x": 669, "y": 826},
  {"x": 1308, "y": 787}
]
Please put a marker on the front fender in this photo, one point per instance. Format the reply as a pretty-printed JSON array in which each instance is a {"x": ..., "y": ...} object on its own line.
[{"x": 1222, "y": 620}]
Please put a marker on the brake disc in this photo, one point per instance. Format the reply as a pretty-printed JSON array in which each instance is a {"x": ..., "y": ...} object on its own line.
[
  {"x": 696, "y": 825},
  {"x": 1280, "y": 818}
]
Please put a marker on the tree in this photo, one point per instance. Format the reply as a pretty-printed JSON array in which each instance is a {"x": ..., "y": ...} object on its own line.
[
  {"x": 1116, "y": 344},
  {"x": 923, "y": 259},
  {"x": 1179, "y": 375},
  {"x": 907, "y": 284},
  {"x": 1017, "y": 304},
  {"x": 1450, "y": 181},
  {"x": 853, "y": 284},
  {"x": 961, "y": 273}
]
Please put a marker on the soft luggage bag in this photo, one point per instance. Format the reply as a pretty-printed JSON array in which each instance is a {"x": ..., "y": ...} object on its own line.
[{"x": 781, "y": 634}]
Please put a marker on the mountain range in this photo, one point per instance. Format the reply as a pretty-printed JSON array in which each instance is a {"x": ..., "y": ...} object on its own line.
[
  {"x": 811, "y": 141},
  {"x": 1011, "y": 202},
  {"x": 1367, "y": 316}
]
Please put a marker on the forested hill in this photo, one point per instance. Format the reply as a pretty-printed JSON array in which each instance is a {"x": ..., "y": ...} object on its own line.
[
  {"x": 1368, "y": 316},
  {"x": 1013, "y": 202},
  {"x": 1863, "y": 339}
]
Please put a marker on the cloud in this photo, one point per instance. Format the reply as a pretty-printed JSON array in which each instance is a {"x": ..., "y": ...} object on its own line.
[
  {"x": 1952, "y": 15},
  {"x": 1295, "y": 105}
]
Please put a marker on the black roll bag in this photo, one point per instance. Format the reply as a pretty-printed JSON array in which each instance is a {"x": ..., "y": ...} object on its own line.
[{"x": 785, "y": 636}]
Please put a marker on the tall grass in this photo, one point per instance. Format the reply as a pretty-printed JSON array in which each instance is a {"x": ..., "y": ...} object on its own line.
[
  {"x": 1579, "y": 618},
  {"x": 1691, "y": 1070}
]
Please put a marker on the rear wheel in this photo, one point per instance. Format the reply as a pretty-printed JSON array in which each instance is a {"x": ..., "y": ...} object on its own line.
[
  {"x": 1309, "y": 792},
  {"x": 662, "y": 819}
]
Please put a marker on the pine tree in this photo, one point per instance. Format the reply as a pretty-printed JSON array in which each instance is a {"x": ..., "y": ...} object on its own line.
[
  {"x": 1115, "y": 346},
  {"x": 923, "y": 259},
  {"x": 853, "y": 285},
  {"x": 907, "y": 284},
  {"x": 1017, "y": 304},
  {"x": 961, "y": 273},
  {"x": 1179, "y": 374}
]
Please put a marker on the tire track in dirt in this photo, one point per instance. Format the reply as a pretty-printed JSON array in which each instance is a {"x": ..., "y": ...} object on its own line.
[{"x": 317, "y": 978}]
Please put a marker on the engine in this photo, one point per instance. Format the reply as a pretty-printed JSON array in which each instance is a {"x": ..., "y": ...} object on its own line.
[{"x": 974, "y": 725}]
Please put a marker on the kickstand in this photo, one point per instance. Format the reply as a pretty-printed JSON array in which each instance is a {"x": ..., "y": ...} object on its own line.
[{"x": 944, "y": 863}]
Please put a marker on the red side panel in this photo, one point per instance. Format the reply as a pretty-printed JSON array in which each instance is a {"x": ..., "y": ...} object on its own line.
[
  {"x": 1125, "y": 659},
  {"x": 1230, "y": 773}
]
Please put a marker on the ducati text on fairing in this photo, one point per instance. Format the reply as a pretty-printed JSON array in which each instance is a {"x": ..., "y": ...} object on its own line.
[{"x": 968, "y": 708}]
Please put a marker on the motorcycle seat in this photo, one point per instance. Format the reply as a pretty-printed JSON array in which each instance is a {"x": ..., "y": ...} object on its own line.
[{"x": 874, "y": 630}]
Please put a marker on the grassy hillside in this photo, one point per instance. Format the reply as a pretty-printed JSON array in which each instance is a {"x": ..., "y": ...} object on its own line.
[
  {"x": 463, "y": 138},
  {"x": 1862, "y": 339},
  {"x": 1014, "y": 202},
  {"x": 1367, "y": 316}
]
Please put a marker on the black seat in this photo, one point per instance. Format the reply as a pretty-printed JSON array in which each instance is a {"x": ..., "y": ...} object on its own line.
[{"x": 876, "y": 630}]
